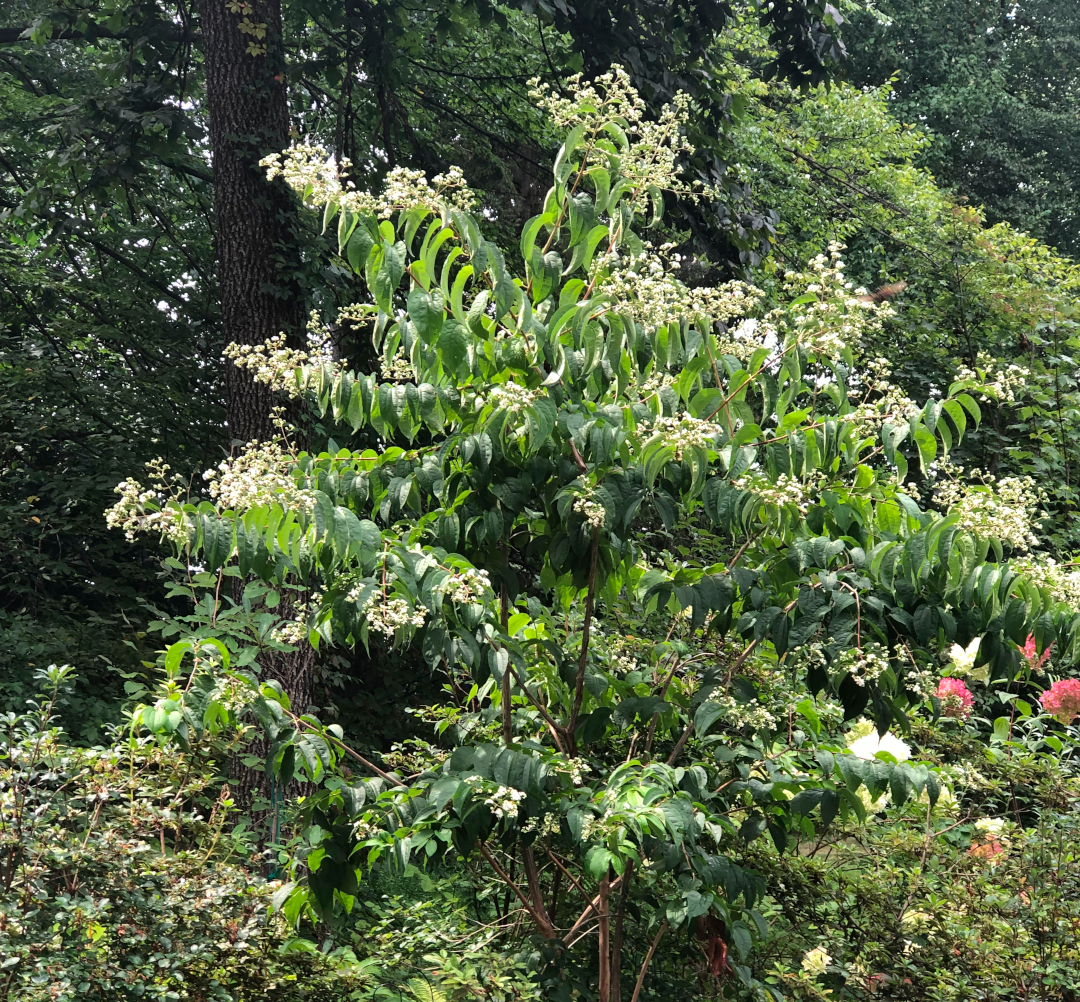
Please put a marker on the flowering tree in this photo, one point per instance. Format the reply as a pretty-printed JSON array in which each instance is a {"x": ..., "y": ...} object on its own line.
[{"x": 540, "y": 429}]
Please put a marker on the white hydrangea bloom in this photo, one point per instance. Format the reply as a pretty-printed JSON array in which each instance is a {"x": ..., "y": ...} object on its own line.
[{"x": 867, "y": 746}]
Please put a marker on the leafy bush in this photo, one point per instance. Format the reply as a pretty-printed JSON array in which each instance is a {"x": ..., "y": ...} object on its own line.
[
  {"x": 127, "y": 874},
  {"x": 621, "y": 723}
]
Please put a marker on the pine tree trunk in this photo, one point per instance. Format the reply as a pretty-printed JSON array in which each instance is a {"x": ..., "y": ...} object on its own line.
[{"x": 256, "y": 255}]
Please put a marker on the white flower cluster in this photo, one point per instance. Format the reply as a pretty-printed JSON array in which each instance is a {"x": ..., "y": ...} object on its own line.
[
  {"x": 142, "y": 509},
  {"x": 644, "y": 287},
  {"x": 866, "y": 663},
  {"x": 503, "y": 802},
  {"x": 739, "y": 715},
  {"x": 261, "y": 474},
  {"x": 364, "y": 828},
  {"x": 387, "y": 615},
  {"x": 312, "y": 172},
  {"x": 839, "y": 316},
  {"x": 655, "y": 147},
  {"x": 594, "y": 825},
  {"x": 274, "y": 363},
  {"x": 1003, "y": 511},
  {"x": 654, "y": 382},
  {"x": 923, "y": 682},
  {"x": 291, "y": 631},
  {"x": 510, "y": 396},
  {"x": 320, "y": 341},
  {"x": 592, "y": 511},
  {"x": 785, "y": 490},
  {"x": 398, "y": 370},
  {"x": 727, "y": 302},
  {"x": 1061, "y": 581},
  {"x": 686, "y": 432},
  {"x": 1006, "y": 385},
  {"x": 878, "y": 400},
  {"x": 576, "y": 768},
  {"x": 295, "y": 630},
  {"x": 466, "y": 584}
]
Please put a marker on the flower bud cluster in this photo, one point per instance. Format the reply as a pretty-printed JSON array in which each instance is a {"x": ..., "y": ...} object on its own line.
[
  {"x": 1006, "y": 385},
  {"x": 1061, "y": 581},
  {"x": 312, "y": 172},
  {"x": 143, "y": 509},
  {"x": 466, "y": 584},
  {"x": 592, "y": 511},
  {"x": 878, "y": 401},
  {"x": 261, "y": 474},
  {"x": 388, "y": 615},
  {"x": 1003, "y": 511},
  {"x": 398, "y": 370},
  {"x": 655, "y": 147},
  {"x": 644, "y": 286},
  {"x": 274, "y": 363},
  {"x": 504, "y": 802},
  {"x": 576, "y": 768},
  {"x": 839, "y": 316},
  {"x": 866, "y": 663},
  {"x": 739, "y": 715},
  {"x": 685, "y": 432},
  {"x": 512, "y": 397},
  {"x": 785, "y": 490}
]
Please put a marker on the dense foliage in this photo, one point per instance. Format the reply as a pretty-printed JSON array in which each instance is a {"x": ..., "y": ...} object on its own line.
[{"x": 659, "y": 579}]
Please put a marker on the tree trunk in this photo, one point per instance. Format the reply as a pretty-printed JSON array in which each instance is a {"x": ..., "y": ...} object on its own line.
[
  {"x": 256, "y": 251},
  {"x": 257, "y": 258}
]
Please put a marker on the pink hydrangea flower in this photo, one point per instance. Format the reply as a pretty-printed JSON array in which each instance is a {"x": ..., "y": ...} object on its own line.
[
  {"x": 1035, "y": 660},
  {"x": 956, "y": 699},
  {"x": 1062, "y": 699}
]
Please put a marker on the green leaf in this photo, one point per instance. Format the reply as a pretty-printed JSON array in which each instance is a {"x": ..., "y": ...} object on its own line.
[{"x": 453, "y": 347}]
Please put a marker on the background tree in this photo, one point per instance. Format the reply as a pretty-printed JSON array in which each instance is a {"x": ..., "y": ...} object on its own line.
[{"x": 996, "y": 84}]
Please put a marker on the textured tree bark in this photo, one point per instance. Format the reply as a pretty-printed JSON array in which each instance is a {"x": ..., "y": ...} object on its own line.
[
  {"x": 246, "y": 100},
  {"x": 257, "y": 253}
]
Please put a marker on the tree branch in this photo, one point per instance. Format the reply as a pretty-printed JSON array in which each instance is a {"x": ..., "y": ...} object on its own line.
[
  {"x": 543, "y": 923},
  {"x": 161, "y": 31}
]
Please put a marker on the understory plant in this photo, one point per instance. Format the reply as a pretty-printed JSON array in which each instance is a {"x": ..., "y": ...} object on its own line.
[{"x": 660, "y": 542}]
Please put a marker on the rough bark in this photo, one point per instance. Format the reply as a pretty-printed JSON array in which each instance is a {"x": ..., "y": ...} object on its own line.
[
  {"x": 296, "y": 673},
  {"x": 246, "y": 100},
  {"x": 257, "y": 253}
]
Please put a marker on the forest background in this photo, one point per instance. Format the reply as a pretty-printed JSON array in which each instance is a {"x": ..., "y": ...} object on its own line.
[{"x": 141, "y": 238}]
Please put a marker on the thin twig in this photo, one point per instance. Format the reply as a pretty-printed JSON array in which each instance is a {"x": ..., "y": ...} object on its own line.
[
  {"x": 648, "y": 958},
  {"x": 543, "y": 923}
]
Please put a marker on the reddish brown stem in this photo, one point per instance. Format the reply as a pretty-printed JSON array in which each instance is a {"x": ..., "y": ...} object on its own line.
[
  {"x": 543, "y": 923},
  {"x": 604, "y": 946},
  {"x": 579, "y": 685}
]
